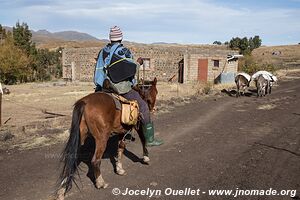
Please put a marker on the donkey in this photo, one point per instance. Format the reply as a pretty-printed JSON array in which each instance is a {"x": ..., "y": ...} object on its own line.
[
  {"x": 269, "y": 77},
  {"x": 261, "y": 85},
  {"x": 242, "y": 81}
]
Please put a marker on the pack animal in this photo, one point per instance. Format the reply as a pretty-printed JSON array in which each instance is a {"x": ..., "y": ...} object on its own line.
[
  {"x": 261, "y": 85},
  {"x": 242, "y": 83},
  {"x": 95, "y": 115},
  {"x": 271, "y": 79}
]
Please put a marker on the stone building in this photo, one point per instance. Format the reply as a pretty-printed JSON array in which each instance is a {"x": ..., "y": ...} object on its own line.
[
  {"x": 219, "y": 67},
  {"x": 182, "y": 63}
]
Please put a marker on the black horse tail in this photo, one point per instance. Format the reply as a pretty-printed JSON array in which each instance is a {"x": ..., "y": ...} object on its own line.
[{"x": 71, "y": 150}]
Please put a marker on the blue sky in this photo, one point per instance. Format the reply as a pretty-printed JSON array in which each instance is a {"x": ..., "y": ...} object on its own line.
[{"x": 277, "y": 22}]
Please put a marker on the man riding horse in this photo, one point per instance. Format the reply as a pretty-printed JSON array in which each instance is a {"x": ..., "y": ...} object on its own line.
[{"x": 115, "y": 63}]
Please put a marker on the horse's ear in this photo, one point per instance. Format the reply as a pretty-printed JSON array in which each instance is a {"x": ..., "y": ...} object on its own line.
[{"x": 155, "y": 81}]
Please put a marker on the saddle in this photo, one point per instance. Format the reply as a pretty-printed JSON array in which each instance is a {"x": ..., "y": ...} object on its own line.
[{"x": 129, "y": 108}]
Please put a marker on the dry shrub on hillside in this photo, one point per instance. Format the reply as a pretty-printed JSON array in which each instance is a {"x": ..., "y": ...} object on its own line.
[{"x": 248, "y": 65}]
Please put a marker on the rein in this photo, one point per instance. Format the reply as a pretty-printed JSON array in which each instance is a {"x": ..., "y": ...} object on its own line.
[{"x": 130, "y": 139}]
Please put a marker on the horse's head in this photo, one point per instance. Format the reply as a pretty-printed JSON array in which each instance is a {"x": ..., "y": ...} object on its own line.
[{"x": 149, "y": 94}]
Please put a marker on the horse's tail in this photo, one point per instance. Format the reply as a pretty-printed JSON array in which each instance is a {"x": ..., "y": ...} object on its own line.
[{"x": 71, "y": 150}]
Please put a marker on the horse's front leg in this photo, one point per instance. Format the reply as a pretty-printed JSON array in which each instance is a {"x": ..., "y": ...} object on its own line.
[{"x": 119, "y": 166}]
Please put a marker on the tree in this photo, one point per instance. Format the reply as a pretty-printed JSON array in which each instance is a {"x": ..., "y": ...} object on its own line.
[
  {"x": 245, "y": 45},
  {"x": 44, "y": 60},
  {"x": 47, "y": 64},
  {"x": 22, "y": 37},
  {"x": 256, "y": 42},
  {"x": 235, "y": 43},
  {"x": 217, "y": 42},
  {"x": 251, "y": 44},
  {"x": 2, "y": 34},
  {"x": 21, "y": 61},
  {"x": 13, "y": 62}
]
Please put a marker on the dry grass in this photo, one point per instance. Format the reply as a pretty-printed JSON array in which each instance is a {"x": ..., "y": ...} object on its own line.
[
  {"x": 38, "y": 141},
  {"x": 226, "y": 86},
  {"x": 286, "y": 56},
  {"x": 167, "y": 91},
  {"x": 288, "y": 73}
]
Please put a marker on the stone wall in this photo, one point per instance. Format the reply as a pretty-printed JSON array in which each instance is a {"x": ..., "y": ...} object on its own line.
[
  {"x": 163, "y": 59},
  {"x": 83, "y": 59}
]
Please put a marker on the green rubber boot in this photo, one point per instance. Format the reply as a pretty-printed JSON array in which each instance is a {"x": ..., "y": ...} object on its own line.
[{"x": 148, "y": 131}]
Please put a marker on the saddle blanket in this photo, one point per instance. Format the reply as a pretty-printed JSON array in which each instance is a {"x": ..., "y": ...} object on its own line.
[
  {"x": 267, "y": 75},
  {"x": 247, "y": 76}
]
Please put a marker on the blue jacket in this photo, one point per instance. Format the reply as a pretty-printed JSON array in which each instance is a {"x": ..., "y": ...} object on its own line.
[{"x": 105, "y": 58}]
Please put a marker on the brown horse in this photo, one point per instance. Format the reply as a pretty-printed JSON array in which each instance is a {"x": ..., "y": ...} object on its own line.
[
  {"x": 95, "y": 115},
  {"x": 149, "y": 93}
]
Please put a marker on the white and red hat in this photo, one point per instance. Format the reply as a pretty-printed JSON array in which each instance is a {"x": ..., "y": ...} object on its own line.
[{"x": 115, "y": 34}]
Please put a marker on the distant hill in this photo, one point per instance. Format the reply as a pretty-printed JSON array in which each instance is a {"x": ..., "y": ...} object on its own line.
[
  {"x": 44, "y": 37},
  {"x": 64, "y": 35},
  {"x": 164, "y": 43},
  {"x": 7, "y": 28}
]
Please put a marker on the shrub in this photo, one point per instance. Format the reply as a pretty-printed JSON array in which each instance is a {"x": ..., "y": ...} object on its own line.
[
  {"x": 207, "y": 88},
  {"x": 248, "y": 65}
]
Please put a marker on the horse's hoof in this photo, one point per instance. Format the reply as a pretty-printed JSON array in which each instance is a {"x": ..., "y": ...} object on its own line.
[
  {"x": 105, "y": 185},
  {"x": 146, "y": 159},
  {"x": 60, "y": 197},
  {"x": 60, "y": 194},
  {"x": 121, "y": 172},
  {"x": 101, "y": 185}
]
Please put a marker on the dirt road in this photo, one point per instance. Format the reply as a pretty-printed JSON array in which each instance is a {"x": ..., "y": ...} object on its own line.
[{"x": 217, "y": 143}]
